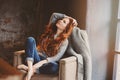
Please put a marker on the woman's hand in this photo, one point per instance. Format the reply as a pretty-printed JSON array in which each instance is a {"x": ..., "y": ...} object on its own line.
[
  {"x": 34, "y": 69},
  {"x": 39, "y": 64},
  {"x": 74, "y": 20}
]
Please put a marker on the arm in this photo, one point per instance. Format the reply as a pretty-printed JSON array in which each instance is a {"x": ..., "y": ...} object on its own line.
[
  {"x": 39, "y": 64},
  {"x": 60, "y": 53},
  {"x": 55, "y": 16}
]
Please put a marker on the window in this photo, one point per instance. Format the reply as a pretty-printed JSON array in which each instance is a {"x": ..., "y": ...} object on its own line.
[
  {"x": 117, "y": 45},
  {"x": 116, "y": 70}
]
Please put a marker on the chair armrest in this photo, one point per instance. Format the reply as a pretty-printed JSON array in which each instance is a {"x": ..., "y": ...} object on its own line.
[
  {"x": 68, "y": 68},
  {"x": 18, "y": 58},
  {"x": 19, "y": 52}
]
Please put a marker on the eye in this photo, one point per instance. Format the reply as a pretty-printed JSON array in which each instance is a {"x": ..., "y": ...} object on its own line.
[{"x": 64, "y": 21}]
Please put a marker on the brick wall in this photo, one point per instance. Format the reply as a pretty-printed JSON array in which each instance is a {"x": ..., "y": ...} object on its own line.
[{"x": 17, "y": 22}]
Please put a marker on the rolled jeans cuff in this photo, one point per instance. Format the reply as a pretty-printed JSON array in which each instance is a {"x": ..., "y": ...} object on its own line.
[{"x": 29, "y": 59}]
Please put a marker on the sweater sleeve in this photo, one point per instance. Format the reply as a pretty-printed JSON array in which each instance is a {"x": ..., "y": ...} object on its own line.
[
  {"x": 55, "y": 16},
  {"x": 60, "y": 53}
]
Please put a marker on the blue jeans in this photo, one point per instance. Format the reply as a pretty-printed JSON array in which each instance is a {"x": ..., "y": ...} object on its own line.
[{"x": 32, "y": 54}]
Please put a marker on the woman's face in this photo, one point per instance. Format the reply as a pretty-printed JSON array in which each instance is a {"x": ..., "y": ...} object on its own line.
[{"x": 61, "y": 24}]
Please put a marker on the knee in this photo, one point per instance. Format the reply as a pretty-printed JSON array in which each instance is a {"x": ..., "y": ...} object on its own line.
[{"x": 30, "y": 39}]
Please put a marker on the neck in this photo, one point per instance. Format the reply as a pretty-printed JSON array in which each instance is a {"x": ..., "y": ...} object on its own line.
[{"x": 58, "y": 32}]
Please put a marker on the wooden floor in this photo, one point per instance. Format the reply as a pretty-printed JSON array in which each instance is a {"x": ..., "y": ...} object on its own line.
[{"x": 7, "y": 72}]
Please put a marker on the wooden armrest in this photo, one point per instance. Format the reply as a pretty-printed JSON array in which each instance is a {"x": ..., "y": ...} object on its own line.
[
  {"x": 68, "y": 68},
  {"x": 18, "y": 58},
  {"x": 19, "y": 52}
]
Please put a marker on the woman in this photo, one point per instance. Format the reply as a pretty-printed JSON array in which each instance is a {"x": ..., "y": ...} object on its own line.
[{"x": 51, "y": 46}]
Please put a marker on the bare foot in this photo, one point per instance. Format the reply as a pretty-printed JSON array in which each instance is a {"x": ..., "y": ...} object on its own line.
[{"x": 22, "y": 67}]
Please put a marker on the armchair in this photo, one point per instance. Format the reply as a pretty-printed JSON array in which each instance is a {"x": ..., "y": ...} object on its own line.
[
  {"x": 67, "y": 68},
  {"x": 70, "y": 66}
]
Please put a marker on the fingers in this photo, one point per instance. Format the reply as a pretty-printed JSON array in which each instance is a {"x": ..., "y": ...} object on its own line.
[
  {"x": 75, "y": 22},
  {"x": 34, "y": 69}
]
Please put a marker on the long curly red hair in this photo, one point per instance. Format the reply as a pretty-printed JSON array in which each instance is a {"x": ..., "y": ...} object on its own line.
[{"x": 47, "y": 43}]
